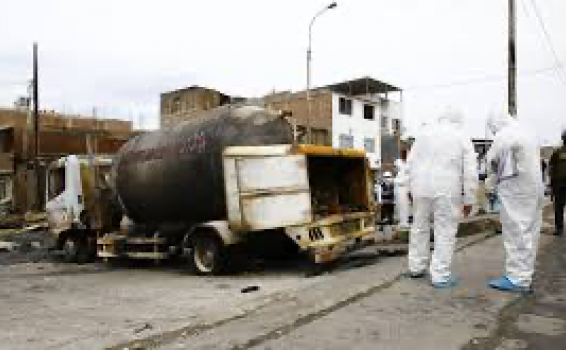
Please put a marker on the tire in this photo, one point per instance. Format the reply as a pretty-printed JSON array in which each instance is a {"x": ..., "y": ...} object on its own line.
[
  {"x": 208, "y": 255},
  {"x": 75, "y": 250},
  {"x": 71, "y": 249}
]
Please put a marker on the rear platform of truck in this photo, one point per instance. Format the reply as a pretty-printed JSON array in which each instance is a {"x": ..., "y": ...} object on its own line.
[{"x": 321, "y": 197}]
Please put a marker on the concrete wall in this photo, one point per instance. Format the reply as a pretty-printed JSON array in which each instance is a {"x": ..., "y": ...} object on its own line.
[
  {"x": 356, "y": 129},
  {"x": 390, "y": 151},
  {"x": 392, "y": 111},
  {"x": 296, "y": 103}
]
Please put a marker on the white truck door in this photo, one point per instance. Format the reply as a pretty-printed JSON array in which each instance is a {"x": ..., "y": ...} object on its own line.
[
  {"x": 265, "y": 192},
  {"x": 73, "y": 187}
]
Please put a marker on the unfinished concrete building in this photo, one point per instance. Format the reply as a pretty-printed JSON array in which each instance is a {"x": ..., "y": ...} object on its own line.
[{"x": 183, "y": 104}]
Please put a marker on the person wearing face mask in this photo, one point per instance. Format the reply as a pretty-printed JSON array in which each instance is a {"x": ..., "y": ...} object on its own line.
[{"x": 514, "y": 162}]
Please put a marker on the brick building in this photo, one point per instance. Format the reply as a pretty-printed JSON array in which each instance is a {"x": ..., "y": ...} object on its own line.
[
  {"x": 183, "y": 104},
  {"x": 59, "y": 135}
]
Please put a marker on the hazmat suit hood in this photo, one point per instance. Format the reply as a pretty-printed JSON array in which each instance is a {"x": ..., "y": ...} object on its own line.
[
  {"x": 514, "y": 157},
  {"x": 497, "y": 122},
  {"x": 453, "y": 117},
  {"x": 399, "y": 163}
]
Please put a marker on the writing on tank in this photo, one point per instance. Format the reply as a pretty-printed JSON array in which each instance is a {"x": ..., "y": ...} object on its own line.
[{"x": 191, "y": 145}]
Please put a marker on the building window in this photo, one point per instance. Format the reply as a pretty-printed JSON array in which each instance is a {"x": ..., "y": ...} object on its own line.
[
  {"x": 369, "y": 112},
  {"x": 175, "y": 105},
  {"x": 345, "y": 106},
  {"x": 369, "y": 145},
  {"x": 346, "y": 141},
  {"x": 397, "y": 126}
]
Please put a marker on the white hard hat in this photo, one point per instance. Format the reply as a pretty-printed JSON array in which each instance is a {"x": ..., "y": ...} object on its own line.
[{"x": 387, "y": 174}]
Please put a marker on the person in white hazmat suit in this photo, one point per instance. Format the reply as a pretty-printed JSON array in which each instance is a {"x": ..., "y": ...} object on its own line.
[
  {"x": 442, "y": 177},
  {"x": 402, "y": 203},
  {"x": 514, "y": 161}
]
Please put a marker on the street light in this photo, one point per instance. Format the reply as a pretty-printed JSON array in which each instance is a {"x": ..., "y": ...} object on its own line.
[{"x": 328, "y": 7}]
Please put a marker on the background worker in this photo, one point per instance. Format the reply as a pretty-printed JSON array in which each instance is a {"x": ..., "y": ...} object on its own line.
[
  {"x": 557, "y": 172},
  {"x": 514, "y": 161},
  {"x": 402, "y": 203},
  {"x": 442, "y": 177},
  {"x": 387, "y": 196}
]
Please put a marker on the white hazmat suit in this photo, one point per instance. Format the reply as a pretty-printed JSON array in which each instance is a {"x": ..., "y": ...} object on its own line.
[
  {"x": 402, "y": 193},
  {"x": 442, "y": 177},
  {"x": 514, "y": 162}
]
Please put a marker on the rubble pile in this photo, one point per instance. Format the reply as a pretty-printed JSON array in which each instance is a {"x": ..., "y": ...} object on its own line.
[{"x": 23, "y": 238}]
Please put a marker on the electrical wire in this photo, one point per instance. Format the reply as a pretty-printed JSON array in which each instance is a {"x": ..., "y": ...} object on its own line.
[
  {"x": 548, "y": 40},
  {"x": 480, "y": 80}
]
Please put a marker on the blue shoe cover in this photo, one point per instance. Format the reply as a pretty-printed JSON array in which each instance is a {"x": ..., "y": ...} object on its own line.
[
  {"x": 449, "y": 283},
  {"x": 505, "y": 285}
]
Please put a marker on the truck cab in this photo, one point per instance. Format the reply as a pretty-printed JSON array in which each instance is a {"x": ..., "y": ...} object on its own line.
[{"x": 75, "y": 188}]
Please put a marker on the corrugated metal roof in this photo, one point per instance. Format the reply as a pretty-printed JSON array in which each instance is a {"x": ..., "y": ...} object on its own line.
[{"x": 362, "y": 86}]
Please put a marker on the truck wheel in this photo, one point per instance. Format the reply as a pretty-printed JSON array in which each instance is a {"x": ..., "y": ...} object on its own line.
[
  {"x": 75, "y": 250},
  {"x": 208, "y": 255},
  {"x": 71, "y": 250}
]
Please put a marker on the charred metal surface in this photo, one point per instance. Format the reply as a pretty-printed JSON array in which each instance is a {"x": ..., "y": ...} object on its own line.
[
  {"x": 338, "y": 185},
  {"x": 175, "y": 175}
]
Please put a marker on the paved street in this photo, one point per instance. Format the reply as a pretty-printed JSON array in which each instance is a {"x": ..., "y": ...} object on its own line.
[
  {"x": 364, "y": 301},
  {"x": 394, "y": 314},
  {"x": 537, "y": 322}
]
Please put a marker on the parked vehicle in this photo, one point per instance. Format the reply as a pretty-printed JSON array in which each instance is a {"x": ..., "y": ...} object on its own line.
[
  {"x": 205, "y": 187},
  {"x": 80, "y": 204}
]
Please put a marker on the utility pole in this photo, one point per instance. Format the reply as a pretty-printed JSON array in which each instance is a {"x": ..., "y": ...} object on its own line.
[
  {"x": 309, "y": 56},
  {"x": 512, "y": 57},
  {"x": 37, "y": 203}
]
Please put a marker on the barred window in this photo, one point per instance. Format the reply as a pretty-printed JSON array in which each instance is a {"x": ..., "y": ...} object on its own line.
[{"x": 346, "y": 141}]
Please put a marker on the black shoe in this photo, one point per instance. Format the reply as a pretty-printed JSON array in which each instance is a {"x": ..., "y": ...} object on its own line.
[
  {"x": 559, "y": 233},
  {"x": 410, "y": 274}
]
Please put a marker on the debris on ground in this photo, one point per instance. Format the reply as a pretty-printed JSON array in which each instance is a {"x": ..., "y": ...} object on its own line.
[
  {"x": 24, "y": 245},
  {"x": 8, "y": 246},
  {"x": 250, "y": 289},
  {"x": 18, "y": 221},
  {"x": 11, "y": 221},
  {"x": 144, "y": 327}
]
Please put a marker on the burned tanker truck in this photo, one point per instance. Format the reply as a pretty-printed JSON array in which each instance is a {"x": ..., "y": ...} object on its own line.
[{"x": 229, "y": 178}]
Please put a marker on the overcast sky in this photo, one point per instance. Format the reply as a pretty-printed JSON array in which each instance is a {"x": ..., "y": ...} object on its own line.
[{"x": 119, "y": 55}]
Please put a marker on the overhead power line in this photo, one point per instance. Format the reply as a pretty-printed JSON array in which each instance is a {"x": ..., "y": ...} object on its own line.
[
  {"x": 560, "y": 69},
  {"x": 480, "y": 80}
]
